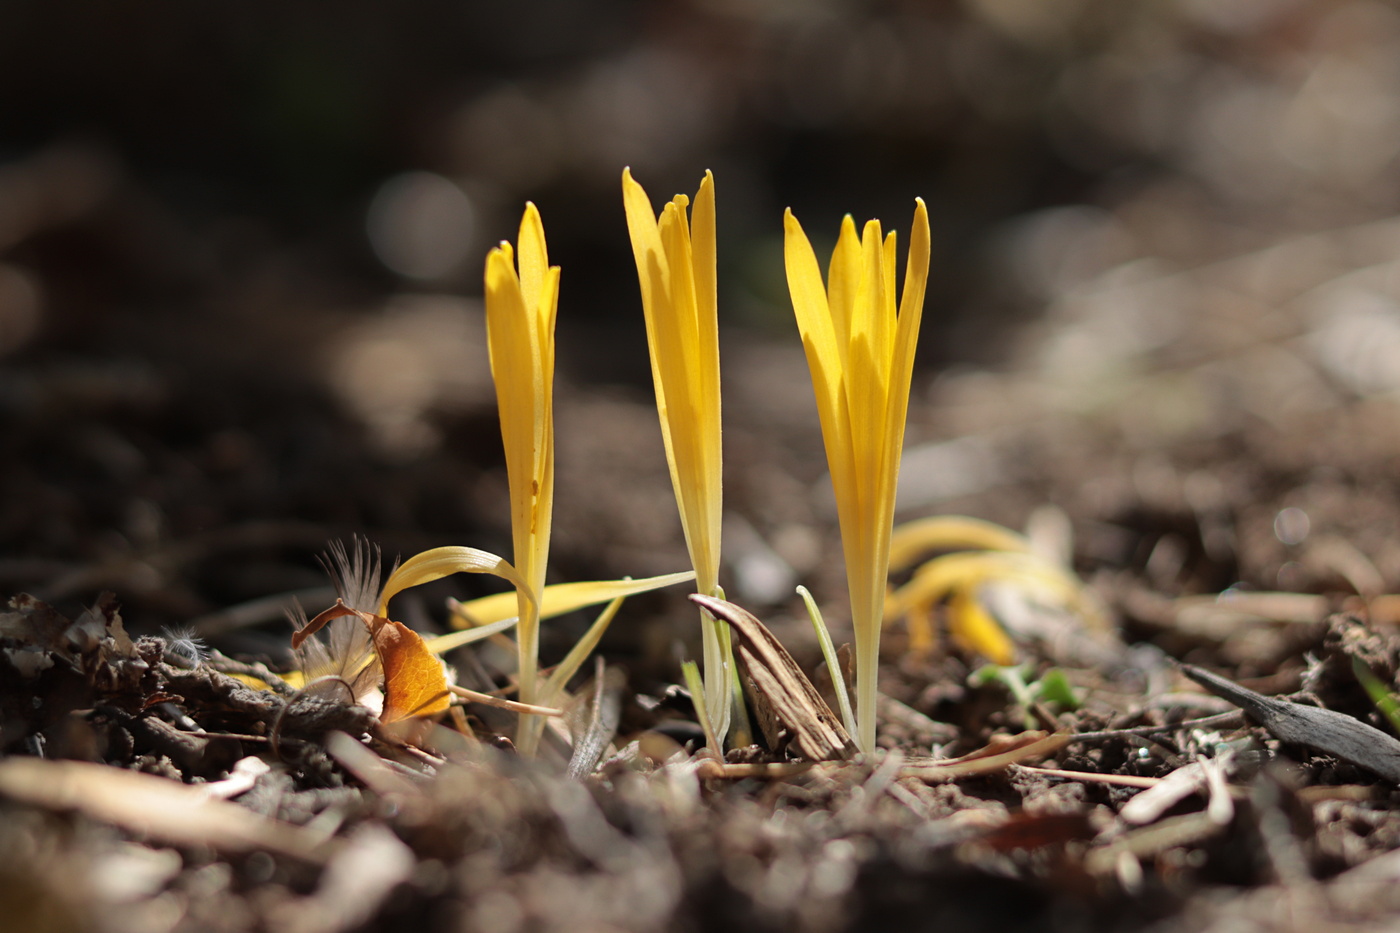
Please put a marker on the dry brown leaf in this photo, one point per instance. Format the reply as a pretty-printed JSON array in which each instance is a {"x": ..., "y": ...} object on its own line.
[
  {"x": 1028, "y": 746},
  {"x": 789, "y": 709}
]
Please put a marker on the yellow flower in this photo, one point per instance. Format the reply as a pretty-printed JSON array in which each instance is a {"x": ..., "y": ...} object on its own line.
[
  {"x": 676, "y": 268},
  {"x": 520, "y": 311},
  {"x": 861, "y": 356}
]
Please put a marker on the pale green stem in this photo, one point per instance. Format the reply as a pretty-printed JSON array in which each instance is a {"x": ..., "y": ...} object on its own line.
[
  {"x": 833, "y": 664},
  {"x": 867, "y": 674},
  {"x": 716, "y": 672},
  {"x": 441, "y": 644},
  {"x": 531, "y": 727},
  {"x": 697, "y": 696},
  {"x": 740, "y": 726}
]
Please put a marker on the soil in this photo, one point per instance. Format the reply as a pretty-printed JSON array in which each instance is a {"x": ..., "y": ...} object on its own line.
[{"x": 1181, "y": 386}]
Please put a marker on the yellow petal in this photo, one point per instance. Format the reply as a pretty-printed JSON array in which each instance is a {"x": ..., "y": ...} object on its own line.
[
  {"x": 843, "y": 281},
  {"x": 867, "y": 370},
  {"x": 974, "y": 630},
  {"x": 561, "y": 598},
  {"x": 676, "y": 271},
  {"x": 916, "y": 266},
  {"x": 824, "y": 351},
  {"x": 294, "y": 678},
  {"x": 441, "y": 644},
  {"x": 521, "y": 345},
  {"x": 964, "y": 570},
  {"x": 442, "y": 562},
  {"x": 702, "y": 237},
  {"x": 646, "y": 241},
  {"x": 877, "y": 314},
  {"x": 906, "y": 338},
  {"x": 913, "y": 540},
  {"x": 900, "y": 368},
  {"x": 809, "y": 302},
  {"x": 514, "y": 365},
  {"x": 534, "y": 257}
]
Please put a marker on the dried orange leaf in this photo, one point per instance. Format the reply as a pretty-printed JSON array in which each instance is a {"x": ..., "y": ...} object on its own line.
[{"x": 415, "y": 683}]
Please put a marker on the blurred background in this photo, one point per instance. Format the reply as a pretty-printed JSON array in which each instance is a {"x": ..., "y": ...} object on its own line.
[{"x": 241, "y": 251}]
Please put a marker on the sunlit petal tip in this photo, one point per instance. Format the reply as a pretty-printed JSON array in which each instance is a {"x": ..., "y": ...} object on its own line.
[
  {"x": 630, "y": 183},
  {"x": 504, "y": 250},
  {"x": 531, "y": 224},
  {"x": 500, "y": 258},
  {"x": 792, "y": 226}
]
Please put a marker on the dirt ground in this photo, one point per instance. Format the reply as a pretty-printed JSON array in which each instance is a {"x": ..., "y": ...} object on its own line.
[{"x": 1169, "y": 359}]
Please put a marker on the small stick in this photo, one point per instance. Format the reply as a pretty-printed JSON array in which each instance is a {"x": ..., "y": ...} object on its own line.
[
  {"x": 1124, "y": 780},
  {"x": 487, "y": 699},
  {"x": 1234, "y": 717},
  {"x": 710, "y": 768}
]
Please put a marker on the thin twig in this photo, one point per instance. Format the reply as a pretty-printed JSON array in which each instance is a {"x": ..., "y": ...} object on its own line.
[
  {"x": 487, "y": 699},
  {"x": 1234, "y": 717},
  {"x": 1124, "y": 780}
]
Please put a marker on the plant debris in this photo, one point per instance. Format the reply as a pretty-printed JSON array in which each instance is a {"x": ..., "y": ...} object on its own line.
[
  {"x": 1323, "y": 729},
  {"x": 789, "y": 709}
]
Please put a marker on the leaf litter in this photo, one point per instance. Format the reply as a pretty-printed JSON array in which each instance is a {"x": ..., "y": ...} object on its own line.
[{"x": 306, "y": 795}]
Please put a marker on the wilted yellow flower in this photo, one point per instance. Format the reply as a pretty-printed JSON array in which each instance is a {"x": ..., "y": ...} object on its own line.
[
  {"x": 861, "y": 355},
  {"x": 520, "y": 311},
  {"x": 676, "y": 268},
  {"x": 972, "y": 553}
]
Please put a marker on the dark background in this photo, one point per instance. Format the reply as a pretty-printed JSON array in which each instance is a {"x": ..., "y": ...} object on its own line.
[{"x": 240, "y": 244}]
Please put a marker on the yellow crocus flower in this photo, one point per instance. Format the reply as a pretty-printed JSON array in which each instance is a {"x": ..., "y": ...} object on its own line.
[
  {"x": 520, "y": 312},
  {"x": 676, "y": 269},
  {"x": 861, "y": 356}
]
